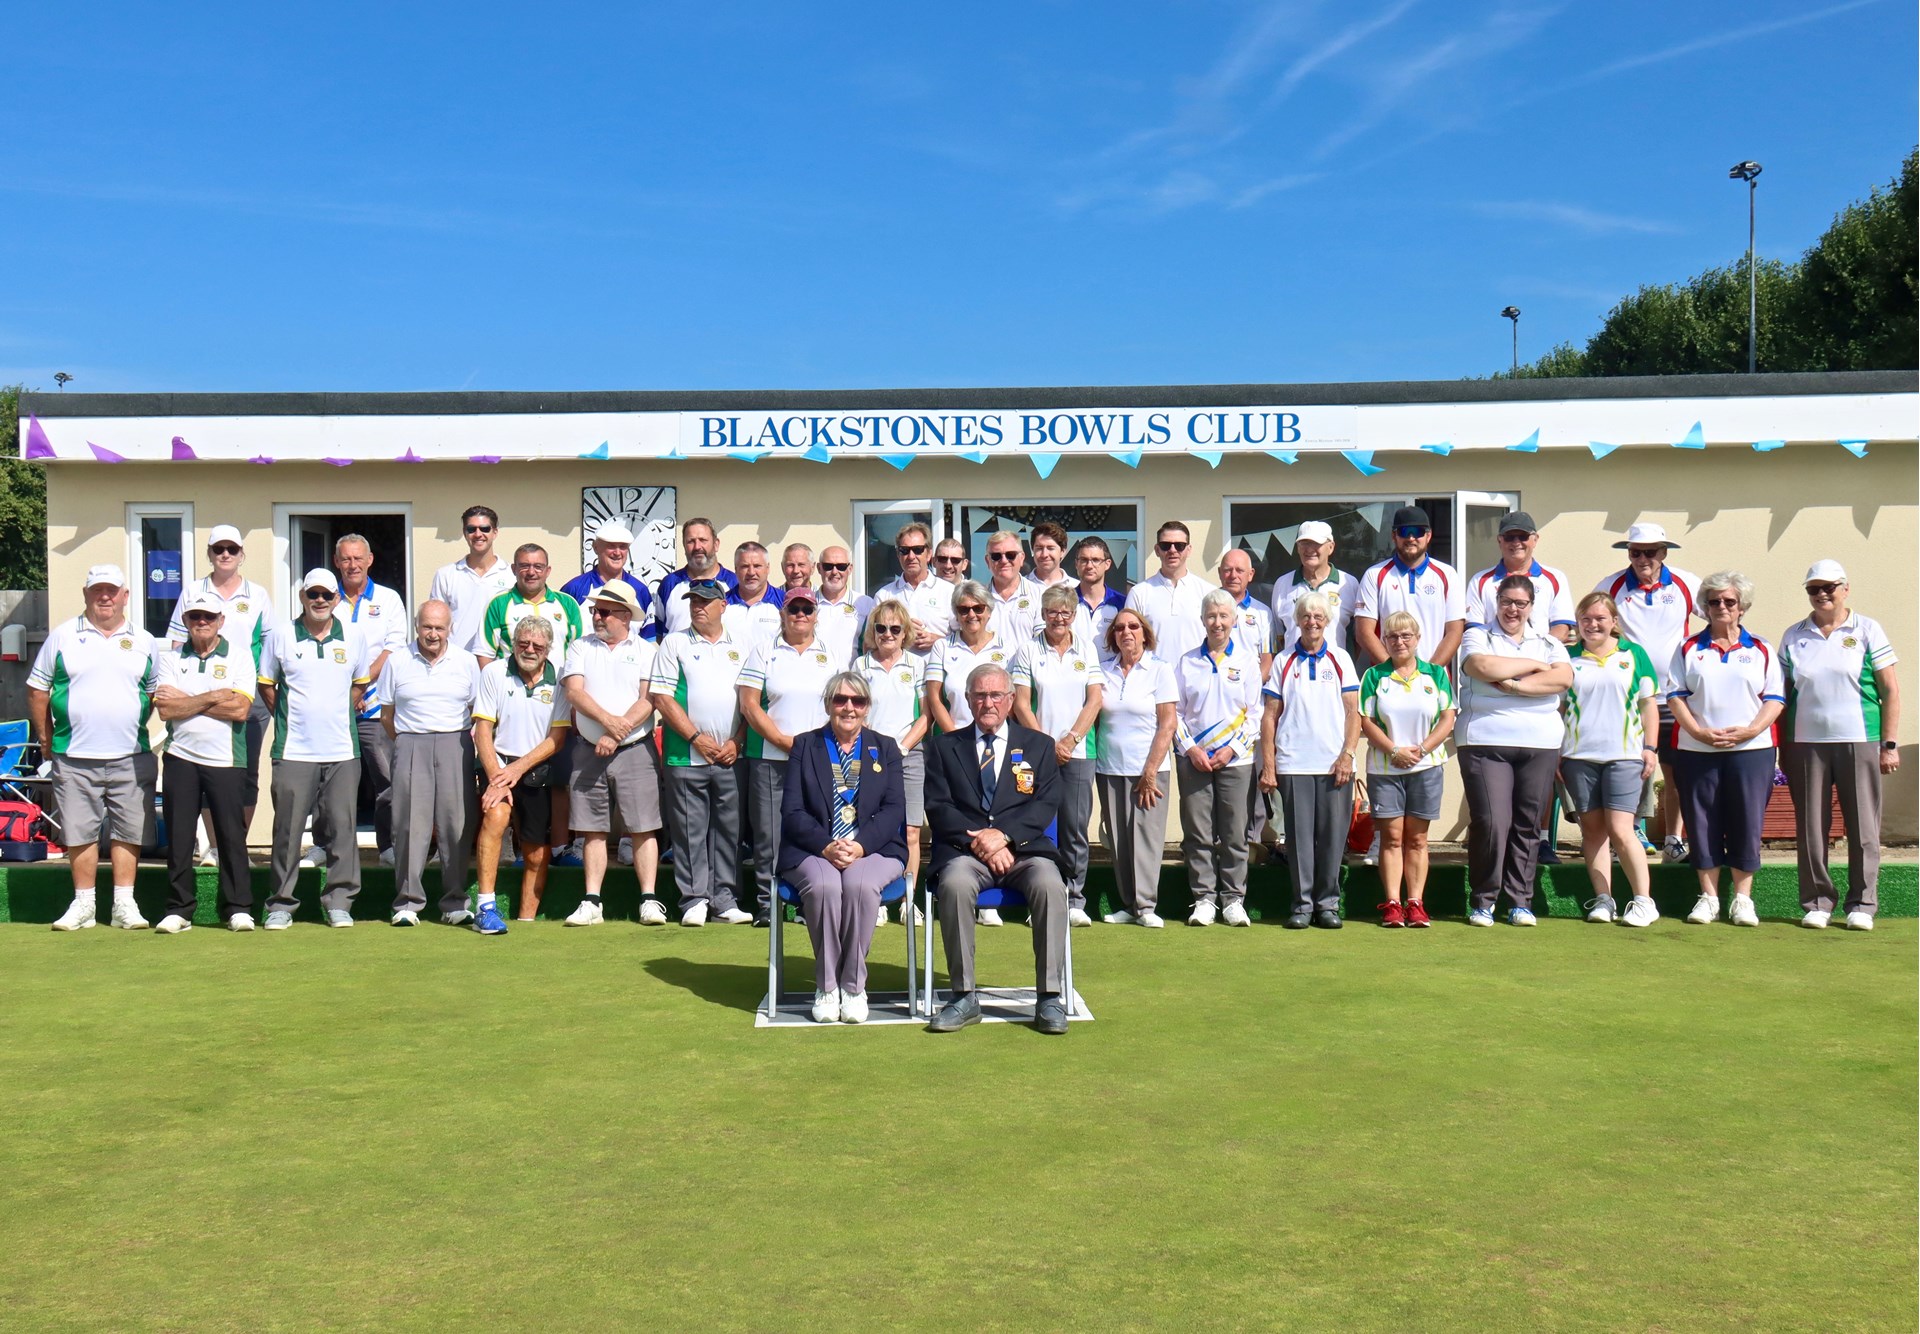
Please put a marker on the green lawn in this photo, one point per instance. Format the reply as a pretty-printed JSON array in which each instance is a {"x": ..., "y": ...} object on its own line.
[{"x": 1573, "y": 1127}]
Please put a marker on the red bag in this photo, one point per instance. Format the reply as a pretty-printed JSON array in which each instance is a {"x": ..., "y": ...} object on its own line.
[{"x": 22, "y": 822}]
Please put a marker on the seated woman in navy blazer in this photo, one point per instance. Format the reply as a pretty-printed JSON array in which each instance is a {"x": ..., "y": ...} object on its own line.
[{"x": 842, "y": 841}]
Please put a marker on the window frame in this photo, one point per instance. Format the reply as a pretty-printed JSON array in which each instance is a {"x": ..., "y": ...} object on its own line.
[
  {"x": 136, "y": 511},
  {"x": 1139, "y": 503}
]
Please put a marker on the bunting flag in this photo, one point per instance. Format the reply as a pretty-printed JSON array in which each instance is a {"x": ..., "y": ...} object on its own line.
[
  {"x": 1600, "y": 449},
  {"x": 1531, "y": 445},
  {"x": 338, "y": 463},
  {"x": 261, "y": 459},
  {"x": 1363, "y": 460},
  {"x": 899, "y": 462},
  {"x": 38, "y": 446},
  {"x": 975, "y": 457},
  {"x": 1044, "y": 464},
  {"x": 474, "y": 458},
  {"x": 1444, "y": 448},
  {"x": 1768, "y": 446},
  {"x": 817, "y": 454},
  {"x": 1695, "y": 439},
  {"x": 1286, "y": 456},
  {"x": 1131, "y": 460},
  {"x": 409, "y": 457},
  {"x": 1857, "y": 448},
  {"x": 598, "y": 452},
  {"x": 742, "y": 455},
  {"x": 104, "y": 454},
  {"x": 1212, "y": 456},
  {"x": 182, "y": 451}
]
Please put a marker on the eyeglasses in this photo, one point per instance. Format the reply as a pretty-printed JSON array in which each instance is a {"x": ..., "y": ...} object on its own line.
[
  {"x": 1051, "y": 612},
  {"x": 479, "y": 528},
  {"x": 1516, "y": 604},
  {"x": 951, "y": 558},
  {"x": 598, "y": 612},
  {"x": 835, "y": 567},
  {"x": 849, "y": 701},
  {"x": 971, "y": 609},
  {"x": 1173, "y": 546},
  {"x": 1411, "y": 530},
  {"x": 988, "y": 696},
  {"x": 1090, "y": 558},
  {"x": 225, "y": 549},
  {"x": 1401, "y": 636},
  {"x": 1646, "y": 553},
  {"x": 919, "y": 550},
  {"x": 201, "y": 618},
  {"x": 1723, "y": 602},
  {"x": 1515, "y": 537},
  {"x": 1821, "y": 590},
  {"x": 530, "y": 567},
  {"x": 1003, "y": 557},
  {"x": 318, "y": 595},
  {"x": 888, "y": 631},
  {"x": 1130, "y": 628}
]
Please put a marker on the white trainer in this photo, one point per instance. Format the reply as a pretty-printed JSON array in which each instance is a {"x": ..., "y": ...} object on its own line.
[
  {"x": 1706, "y": 910},
  {"x": 314, "y": 856},
  {"x": 386, "y": 857},
  {"x": 853, "y": 1007},
  {"x": 1151, "y": 920},
  {"x": 653, "y": 912},
  {"x": 1235, "y": 914},
  {"x": 696, "y": 915},
  {"x": 1078, "y": 917},
  {"x": 240, "y": 922},
  {"x": 78, "y": 917},
  {"x": 406, "y": 917},
  {"x": 880, "y": 918},
  {"x": 587, "y": 914},
  {"x": 1120, "y": 917},
  {"x": 826, "y": 1007},
  {"x": 1640, "y": 912},
  {"x": 1816, "y": 920},
  {"x": 1859, "y": 921},
  {"x": 1743, "y": 913},
  {"x": 172, "y": 925},
  {"x": 1674, "y": 850},
  {"x": 734, "y": 917},
  {"x": 987, "y": 917},
  {"x": 210, "y": 856},
  {"x": 1203, "y": 913},
  {"x": 1600, "y": 909},
  {"x": 126, "y": 916}
]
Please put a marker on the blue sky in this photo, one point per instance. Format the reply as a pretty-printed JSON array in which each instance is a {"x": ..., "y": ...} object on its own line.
[{"x": 841, "y": 196}]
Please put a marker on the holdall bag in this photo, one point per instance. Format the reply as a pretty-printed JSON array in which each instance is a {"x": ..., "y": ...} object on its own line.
[{"x": 24, "y": 832}]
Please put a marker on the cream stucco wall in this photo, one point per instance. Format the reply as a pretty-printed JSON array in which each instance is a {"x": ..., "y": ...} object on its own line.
[{"x": 1769, "y": 515}]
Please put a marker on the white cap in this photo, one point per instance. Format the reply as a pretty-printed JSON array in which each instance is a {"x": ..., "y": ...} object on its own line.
[
  {"x": 1313, "y": 531},
  {"x": 1825, "y": 572},
  {"x": 320, "y": 577},
  {"x": 224, "y": 532},
  {"x": 204, "y": 600},
  {"x": 612, "y": 530},
  {"x": 1646, "y": 535},
  {"x": 105, "y": 574}
]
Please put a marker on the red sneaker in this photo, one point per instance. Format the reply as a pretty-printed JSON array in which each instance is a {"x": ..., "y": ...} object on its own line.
[
  {"x": 1390, "y": 915},
  {"x": 1417, "y": 914}
]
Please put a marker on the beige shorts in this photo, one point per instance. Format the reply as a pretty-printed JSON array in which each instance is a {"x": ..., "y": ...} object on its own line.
[
  {"x": 114, "y": 794},
  {"x": 623, "y": 786}
]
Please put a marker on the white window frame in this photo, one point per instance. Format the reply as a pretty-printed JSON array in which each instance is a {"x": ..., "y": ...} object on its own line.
[
  {"x": 137, "y": 552},
  {"x": 861, "y": 509},
  {"x": 1460, "y": 499},
  {"x": 1139, "y": 504},
  {"x": 285, "y": 512}
]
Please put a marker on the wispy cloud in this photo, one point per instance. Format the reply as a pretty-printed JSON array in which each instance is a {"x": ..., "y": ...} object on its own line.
[
  {"x": 1575, "y": 216},
  {"x": 1727, "y": 38}
]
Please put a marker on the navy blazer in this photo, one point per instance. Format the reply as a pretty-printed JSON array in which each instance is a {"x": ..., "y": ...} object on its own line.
[
  {"x": 953, "y": 794},
  {"x": 806, "y": 809}
]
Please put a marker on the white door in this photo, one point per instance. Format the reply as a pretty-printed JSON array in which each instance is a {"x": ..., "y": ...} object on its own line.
[
  {"x": 876, "y": 524},
  {"x": 1476, "y": 525}
]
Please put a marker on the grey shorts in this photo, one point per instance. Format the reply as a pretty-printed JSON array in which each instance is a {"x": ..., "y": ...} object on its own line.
[
  {"x": 1596, "y": 785},
  {"x": 116, "y": 794},
  {"x": 1395, "y": 796},
  {"x": 624, "y": 786},
  {"x": 913, "y": 775}
]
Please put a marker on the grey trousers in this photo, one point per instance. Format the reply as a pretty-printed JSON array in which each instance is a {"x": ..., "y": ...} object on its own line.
[
  {"x": 1076, "y": 814},
  {"x": 841, "y": 908},
  {"x": 432, "y": 792},
  {"x": 1136, "y": 838},
  {"x": 1815, "y": 771},
  {"x": 327, "y": 792},
  {"x": 1318, "y": 814},
  {"x": 376, "y": 771},
  {"x": 1213, "y": 811},
  {"x": 1257, "y": 813},
  {"x": 1508, "y": 791},
  {"x": 1038, "y": 879},
  {"x": 703, "y": 818},
  {"x": 768, "y": 779}
]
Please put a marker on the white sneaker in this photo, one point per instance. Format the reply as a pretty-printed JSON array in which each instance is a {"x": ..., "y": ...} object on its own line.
[
  {"x": 126, "y": 916},
  {"x": 1859, "y": 921},
  {"x": 987, "y": 917},
  {"x": 1120, "y": 917},
  {"x": 1706, "y": 910},
  {"x": 1203, "y": 913},
  {"x": 1816, "y": 920},
  {"x": 653, "y": 912},
  {"x": 880, "y": 918},
  {"x": 386, "y": 857},
  {"x": 1743, "y": 913},
  {"x": 1151, "y": 920},
  {"x": 696, "y": 915},
  {"x": 1078, "y": 917},
  {"x": 279, "y": 920},
  {"x": 406, "y": 917},
  {"x": 1600, "y": 909},
  {"x": 624, "y": 853},
  {"x": 210, "y": 856},
  {"x": 919, "y": 915},
  {"x": 1235, "y": 914},
  {"x": 1371, "y": 857},
  {"x": 1640, "y": 912},
  {"x": 240, "y": 922},
  {"x": 1673, "y": 851},
  {"x": 78, "y": 917},
  {"x": 734, "y": 917},
  {"x": 314, "y": 856},
  {"x": 826, "y": 1007},
  {"x": 853, "y": 1007},
  {"x": 587, "y": 914},
  {"x": 172, "y": 925}
]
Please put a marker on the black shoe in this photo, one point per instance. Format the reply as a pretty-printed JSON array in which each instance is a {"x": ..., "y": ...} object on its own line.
[
  {"x": 1549, "y": 855},
  {"x": 762, "y": 920},
  {"x": 961, "y": 1011},
  {"x": 1050, "y": 1016},
  {"x": 1298, "y": 922},
  {"x": 1327, "y": 920}
]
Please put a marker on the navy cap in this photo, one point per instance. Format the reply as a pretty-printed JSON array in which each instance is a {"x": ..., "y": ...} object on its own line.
[
  {"x": 1411, "y": 516},
  {"x": 710, "y": 589}
]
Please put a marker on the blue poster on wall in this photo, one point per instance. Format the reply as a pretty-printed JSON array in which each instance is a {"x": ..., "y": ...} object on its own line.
[{"x": 163, "y": 577}]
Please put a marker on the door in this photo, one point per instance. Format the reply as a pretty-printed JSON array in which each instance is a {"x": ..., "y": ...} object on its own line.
[
  {"x": 1477, "y": 527},
  {"x": 876, "y": 525},
  {"x": 311, "y": 536}
]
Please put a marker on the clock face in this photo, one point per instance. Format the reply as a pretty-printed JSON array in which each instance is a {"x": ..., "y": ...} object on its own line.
[{"x": 648, "y": 510}]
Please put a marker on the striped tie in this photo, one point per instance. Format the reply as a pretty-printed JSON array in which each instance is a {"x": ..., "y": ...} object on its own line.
[
  {"x": 846, "y": 792},
  {"x": 988, "y": 778}
]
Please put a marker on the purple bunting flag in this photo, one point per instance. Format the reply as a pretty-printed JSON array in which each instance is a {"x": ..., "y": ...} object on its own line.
[
  {"x": 104, "y": 454},
  {"x": 183, "y": 452},
  {"x": 38, "y": 446}
]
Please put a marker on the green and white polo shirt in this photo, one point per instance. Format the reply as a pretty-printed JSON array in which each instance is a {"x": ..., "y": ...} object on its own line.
[
  {"x": 1603, "y": 707},
  {"x": 313, "y": 680},
  {"x": 202, "y": 739},
  {"x": 1831, "y": 691},
  {"x": 506, "y": 612},
  {"x": 1405, "y": 707},
  {"x": 99, "y": 686},
  {"x": 703, "y": 677}
]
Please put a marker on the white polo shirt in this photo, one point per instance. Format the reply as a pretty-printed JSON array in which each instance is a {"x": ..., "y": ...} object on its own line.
[
  {"x": 1726, "y": 689},
  {"x": 1340, "y": 588},
  {"x": 99, "y": 688},
  {"x": 313, "y": 680},
  {"x": 1603, "y": 707},
  {"x": 700, "y": 675},
  {"x": 753, "y": 625},
  {"x": 378, "y": 620},
  {"x": 431, "y": 696},
  {"x": 521, "y": 712},
  {"x": 202, "y": 739},
  {"x": 951, "y": 662},
  {"x": 614, "y": 677},
  {"x": 1017, "y": 615},
  {"x": 791, "y": 682},
  {"x": 1059, "y": 681},
  {"x": 1431, "y": 590},
  {"x": 930, "y": 603},
  {"x": 249, "y": 613},
  {"x": 1491, "y": 717},
  {"x": 838, "y": 625},
  {"x": 1552, "y": 601},
  {"x": 1312, "y": 689},
  {"x": 897, "y": 691},
  {"x": 468, "y": 592},
  {"x": 671, "y": 603},
  {"x": 1219, "y": 704},
  {"x": 1831, "y": 691},
  {"x": 1130, "y": 714},
  {"x": 1655, "y": 616},
  {"x": 1253, "y": 625},
  {"x": 1406, "y": 708},
  {"x": 1173, "y": 610}
]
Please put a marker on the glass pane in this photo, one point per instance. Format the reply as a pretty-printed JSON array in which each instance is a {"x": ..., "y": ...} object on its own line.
[
  {"x": 877, "y": 536},
  {"x": 1116, "y": 523},
  {"x": 1446, "y": 544},
  {"x": 1267, "y": 529},
  {"x": 160, "y": 580},
  {"x": 1482, "y": 537}
]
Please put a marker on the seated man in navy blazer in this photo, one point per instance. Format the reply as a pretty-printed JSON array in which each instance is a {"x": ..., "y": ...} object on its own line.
[{"x": 992, "y": 790}]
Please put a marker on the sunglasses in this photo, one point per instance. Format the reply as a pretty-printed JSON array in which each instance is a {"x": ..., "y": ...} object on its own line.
[
  {"x": 200, "y": 618},
  {"x": 849, "y": 701},
  {"x": 319, "y": 595},
  {"x": 1003, "y": 557},
  {"x": 597, "y": 612},
  {"x": 804, "y": 609},
  {"x": 1646, "y": 553},
  {"x": 1515, "y": 537},
  {"x": 835, "y": 567},
  {"x": 478, "y": 528},
  {"x": 889, "y": 630},
  {"x": 1723, "y": 602},
  {"x": 225, "y": 549},
  {"x": 971, "y": 610},
  {"x": 1821, "y": 590},
  {"x": 920, "y": 550},
  {"x": 1411, "y": 531},
  {"x": 1173, "y": 546}
]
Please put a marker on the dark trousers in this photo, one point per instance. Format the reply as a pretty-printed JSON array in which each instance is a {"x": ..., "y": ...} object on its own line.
[
  {"x": 1723, "y": 795},
  {"x": 186, "y": 789},
  {"x": 1508, "y": 791}
]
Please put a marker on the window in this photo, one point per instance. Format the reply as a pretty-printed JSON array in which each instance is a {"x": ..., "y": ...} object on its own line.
[
  {"x": 876, "y": 525},
  {"x": 160, "y": 551},
  {"x": 1115, "y": 521},
  {"x": 303, "y": 538},
  {"x": 1266, "y": 528}
]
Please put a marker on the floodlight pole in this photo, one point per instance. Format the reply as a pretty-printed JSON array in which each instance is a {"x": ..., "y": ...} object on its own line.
[
  {"x": 1513, "y": 313},
  {"x": 1750, "y": 173}
]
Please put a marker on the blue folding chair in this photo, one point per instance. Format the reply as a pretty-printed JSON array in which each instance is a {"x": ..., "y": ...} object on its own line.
[
  {"x": 784, "y": 893},
  {"x": 18, "y": 758},
  {"x": 997, "y": 896}
]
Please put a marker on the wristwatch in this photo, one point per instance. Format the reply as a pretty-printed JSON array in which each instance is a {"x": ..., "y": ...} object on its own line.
[{"x": 1889, "y": 745}]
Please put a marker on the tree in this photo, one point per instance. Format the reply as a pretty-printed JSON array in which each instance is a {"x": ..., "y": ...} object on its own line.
[
  {"x": 23, "y": 504},
  {"x": 1856, "y": 301}
]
